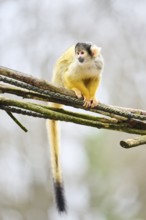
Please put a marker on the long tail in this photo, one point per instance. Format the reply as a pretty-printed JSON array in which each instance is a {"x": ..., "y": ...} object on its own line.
[{"x": 54, "y": 139}]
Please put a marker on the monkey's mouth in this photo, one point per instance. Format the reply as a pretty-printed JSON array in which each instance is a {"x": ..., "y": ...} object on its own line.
[{"x": 81, "y": 59}]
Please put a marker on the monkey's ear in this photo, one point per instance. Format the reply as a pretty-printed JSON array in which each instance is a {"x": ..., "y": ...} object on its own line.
[{"x": 95, "y": 50}]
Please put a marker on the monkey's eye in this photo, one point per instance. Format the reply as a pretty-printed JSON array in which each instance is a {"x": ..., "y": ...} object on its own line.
[{"x": 81, "y": 52}]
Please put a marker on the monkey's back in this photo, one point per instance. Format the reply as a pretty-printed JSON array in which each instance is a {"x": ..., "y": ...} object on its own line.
[{"x": 62, "y": 65}]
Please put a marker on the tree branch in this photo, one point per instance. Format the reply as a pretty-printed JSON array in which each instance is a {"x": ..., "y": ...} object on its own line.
[
  {"x": 113, "y": 117},
  {"x": 62, "y": 115},
  {"x": 61, "y": 95},
  {"x": 133, "y": 142}
]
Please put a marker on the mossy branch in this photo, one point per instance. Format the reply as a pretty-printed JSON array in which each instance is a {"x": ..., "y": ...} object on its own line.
[{"x": 113, "y": 117}]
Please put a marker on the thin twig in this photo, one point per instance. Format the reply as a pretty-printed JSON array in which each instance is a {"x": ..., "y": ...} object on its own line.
[
  {"x": 16, "y": 121},
  {"x": 22, "y": 93},
  {"x": 22, "y": 111},
  {"x": 135, "y": 111}
]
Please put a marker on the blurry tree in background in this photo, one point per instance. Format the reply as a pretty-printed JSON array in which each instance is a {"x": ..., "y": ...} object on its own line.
[{"x": 102, "y": 180}]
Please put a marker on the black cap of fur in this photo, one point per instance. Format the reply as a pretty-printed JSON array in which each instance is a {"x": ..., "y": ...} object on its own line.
[
  {"x": 83, "y": 46},
  {"x": 59, "y": 197}
]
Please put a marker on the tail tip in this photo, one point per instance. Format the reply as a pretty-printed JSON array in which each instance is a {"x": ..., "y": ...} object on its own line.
[{"x": 59, "y": 197}]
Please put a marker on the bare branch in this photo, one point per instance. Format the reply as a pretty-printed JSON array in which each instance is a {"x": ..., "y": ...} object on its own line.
[
  {"x": 134, "y": 142},
  {"x": 113, "y": 117},
  {"x": 61, "y": 95},
  {"x": 68, "y": 116}
]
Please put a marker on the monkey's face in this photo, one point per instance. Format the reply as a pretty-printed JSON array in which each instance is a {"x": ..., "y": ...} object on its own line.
[
  {"x": 85, "y": 53},
  {"x": 82, "y": 56}
]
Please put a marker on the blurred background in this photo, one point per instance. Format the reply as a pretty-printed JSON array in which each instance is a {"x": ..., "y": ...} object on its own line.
[{"x": 102, "y": 180}]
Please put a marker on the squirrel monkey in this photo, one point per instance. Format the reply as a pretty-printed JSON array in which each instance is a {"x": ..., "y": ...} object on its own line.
[{"x": 78, "y": 69}]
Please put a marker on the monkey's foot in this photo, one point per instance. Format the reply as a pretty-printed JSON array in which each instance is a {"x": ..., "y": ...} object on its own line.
[
  {"x": 90, "y": 103},
  {"x": 87, "y": 103},
  {"x": 94, "y": 102},
  {"x": 77, "y": 92}
]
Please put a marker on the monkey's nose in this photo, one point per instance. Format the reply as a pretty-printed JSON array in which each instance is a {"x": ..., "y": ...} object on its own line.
[{"x": 81, "y": 59}]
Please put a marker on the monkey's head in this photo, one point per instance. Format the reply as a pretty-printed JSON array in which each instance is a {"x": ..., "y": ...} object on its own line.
[{"x": 85, "y": 52}]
